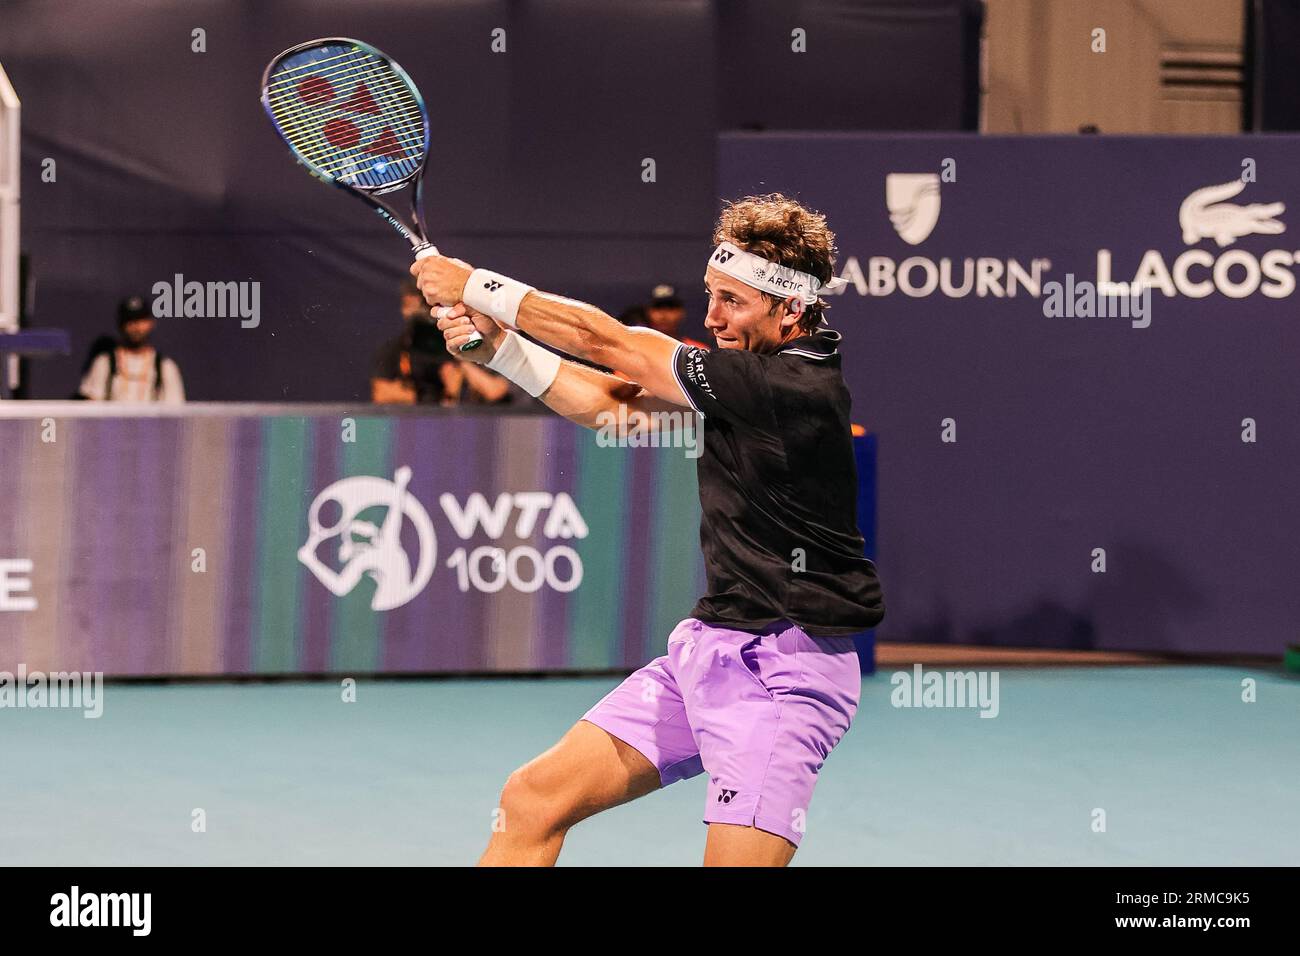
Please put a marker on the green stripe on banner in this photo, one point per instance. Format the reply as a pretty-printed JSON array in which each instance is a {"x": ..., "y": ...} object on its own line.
[
  {"x": 676, "y": 559},
  {"x": 596, "y": 606},
  {"x": 355, "y": 635},
  {"x": 286, "y": 453}
]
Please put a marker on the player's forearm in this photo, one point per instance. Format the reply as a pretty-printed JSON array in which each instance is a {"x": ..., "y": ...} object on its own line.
[
  {"x": 573, "y": 327},
  {"x": 582, "y": 330},
  {"x": 583, "y": 395},
  {"x": 588, "y": 397}
]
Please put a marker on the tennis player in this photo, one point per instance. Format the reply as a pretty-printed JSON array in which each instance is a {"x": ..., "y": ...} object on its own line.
[{"x": 762, "y": 680}]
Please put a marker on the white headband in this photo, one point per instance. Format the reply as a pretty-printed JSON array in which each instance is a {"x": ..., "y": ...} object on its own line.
[{"x": 779, "y": 280}]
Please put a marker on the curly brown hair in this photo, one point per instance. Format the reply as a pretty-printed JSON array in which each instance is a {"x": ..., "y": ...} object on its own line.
[{"x": 778, "y": 228}]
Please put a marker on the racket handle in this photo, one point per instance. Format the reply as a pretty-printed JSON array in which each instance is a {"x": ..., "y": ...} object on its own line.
[{"x": 475, "y": 337}]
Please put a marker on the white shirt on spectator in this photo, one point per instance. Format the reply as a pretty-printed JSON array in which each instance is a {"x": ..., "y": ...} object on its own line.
[{"x": 134, "y": 381}]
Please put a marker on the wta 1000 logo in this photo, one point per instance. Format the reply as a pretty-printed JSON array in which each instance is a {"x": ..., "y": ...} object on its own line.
[{"x": 398, "y": 549}]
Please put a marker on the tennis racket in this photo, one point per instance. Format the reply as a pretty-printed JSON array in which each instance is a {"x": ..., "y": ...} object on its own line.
[{"x": 356, "y": 121}]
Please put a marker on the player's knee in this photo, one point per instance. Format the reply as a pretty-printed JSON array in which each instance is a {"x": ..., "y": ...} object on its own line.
[{"x": 532, "y": 803}]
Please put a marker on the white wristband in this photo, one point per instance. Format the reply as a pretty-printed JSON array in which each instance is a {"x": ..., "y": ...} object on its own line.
[
  {"x": 495, "y": 295},
  {"x": 529, "y": 366}
]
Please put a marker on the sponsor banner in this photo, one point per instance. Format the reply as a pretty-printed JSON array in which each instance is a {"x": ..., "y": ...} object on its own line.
[
  {"x": 1078, "y": 353},
  {"x": 227, "y": 544}
]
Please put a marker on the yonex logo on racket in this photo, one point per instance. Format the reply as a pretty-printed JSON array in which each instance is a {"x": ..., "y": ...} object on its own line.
[{"x": 345, "y": 132}]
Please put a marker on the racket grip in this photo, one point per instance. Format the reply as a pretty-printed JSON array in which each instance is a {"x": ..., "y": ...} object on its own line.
[{"x": 475, "y": 337}]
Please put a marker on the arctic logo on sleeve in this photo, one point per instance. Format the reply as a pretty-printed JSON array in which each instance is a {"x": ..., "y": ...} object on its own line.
[{"x": 695, "y": 370}]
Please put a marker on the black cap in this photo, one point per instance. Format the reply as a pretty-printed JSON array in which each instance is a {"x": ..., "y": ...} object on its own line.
[
  {"x": 133, "y": 307},
  {"x": 665, "y": 296}
]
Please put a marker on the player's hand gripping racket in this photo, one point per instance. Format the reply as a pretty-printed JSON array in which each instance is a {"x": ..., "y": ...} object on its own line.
[{"x": 356, "y": 121}]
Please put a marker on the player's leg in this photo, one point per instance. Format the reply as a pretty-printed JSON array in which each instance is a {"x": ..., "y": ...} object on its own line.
[
  {"x": 589, "y": 770},
  {"x": 634, "y": 740},
  {"x": 733, "y": 844}
]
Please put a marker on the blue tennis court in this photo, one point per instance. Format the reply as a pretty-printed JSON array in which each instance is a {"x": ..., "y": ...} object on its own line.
[{"x": 286, "y": 773}]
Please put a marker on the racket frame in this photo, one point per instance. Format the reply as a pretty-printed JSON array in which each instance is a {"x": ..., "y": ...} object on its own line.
[{"x": 414, "y": 233}]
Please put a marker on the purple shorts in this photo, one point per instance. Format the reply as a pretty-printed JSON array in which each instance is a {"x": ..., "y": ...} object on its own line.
[{"x": 758, "y": 710}]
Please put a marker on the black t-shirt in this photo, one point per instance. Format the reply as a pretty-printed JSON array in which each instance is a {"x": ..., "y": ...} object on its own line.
[{"x": 777, "y": 474}]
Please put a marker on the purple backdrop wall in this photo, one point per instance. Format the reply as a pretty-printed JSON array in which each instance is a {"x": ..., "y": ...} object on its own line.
[
  {"x": 1072, "y": 433},
  {"x": 241, "y": 539}
]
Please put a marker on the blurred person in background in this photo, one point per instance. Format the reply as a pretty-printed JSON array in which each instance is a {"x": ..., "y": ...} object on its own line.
[
  {"x": 665, "y": 314},
  {"x": 414, "y": 367},
  {"x": 406, "y": 367},
  {"x": 131, "y": 369},
  {"x": 465, "y": 384},
  {"x": 633, "y": 316}
]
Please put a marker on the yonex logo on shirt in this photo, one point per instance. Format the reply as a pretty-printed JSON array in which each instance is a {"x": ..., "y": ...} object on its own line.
[{"x": 726, "y": 795}]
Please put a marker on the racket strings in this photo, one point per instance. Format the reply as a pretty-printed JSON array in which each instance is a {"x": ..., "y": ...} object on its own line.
[
  {"x": 396, "y": 148},
  {"x": 290, "y": 94},
  {"x": 294, "y": 93},
  {"x": 390, "y": 149},
  {"x": 407, "y": 125},
  {"x": 388, "y": 100},
  {"x": 309, "y": 64},
  {"x": 407, "y": 133},
  {"x": 345, "y": 143}
]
